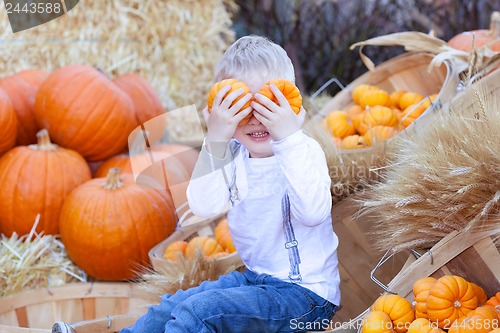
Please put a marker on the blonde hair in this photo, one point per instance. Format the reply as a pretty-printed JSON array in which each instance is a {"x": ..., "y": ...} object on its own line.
[{"x": 254, "y": 55}]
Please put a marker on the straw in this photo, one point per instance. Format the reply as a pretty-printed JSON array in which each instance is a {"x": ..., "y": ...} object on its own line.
[{"x": 34, "y": 261}]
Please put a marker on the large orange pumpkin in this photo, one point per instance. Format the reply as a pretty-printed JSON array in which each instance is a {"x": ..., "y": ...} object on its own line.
[
  {"x": 109, "y": 225},
  {"x": 85, "y": 111},
  {"x": 463, "y": 41},
  {"x": 289, "y": 90},
  {"x": 398, "y": 308},
  {"x": 22, "y": 88},
  {"x": 8, "y": 123},
  {"x": 450, "y": 298},
  {"x": 35, "y": 180}
]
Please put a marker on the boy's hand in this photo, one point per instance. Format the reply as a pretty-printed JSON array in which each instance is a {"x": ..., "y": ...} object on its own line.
[
  {"x": 224, "y": 118},
  {"x": 279, "y": 119}
]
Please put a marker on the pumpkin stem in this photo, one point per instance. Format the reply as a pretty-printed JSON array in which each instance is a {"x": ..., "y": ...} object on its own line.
[
  {"x": 457, "y": 304},
  {"x": 495, "y": 24},
  {"x": 43, "y": 141},
  {"x": 113, "y": 179}
]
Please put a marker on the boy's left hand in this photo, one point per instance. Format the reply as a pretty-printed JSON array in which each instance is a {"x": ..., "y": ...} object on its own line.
[{"x": 279, "y": 119}]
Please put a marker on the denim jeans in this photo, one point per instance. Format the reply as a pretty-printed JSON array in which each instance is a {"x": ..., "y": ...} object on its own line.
[{"x": 237, "y": 302}]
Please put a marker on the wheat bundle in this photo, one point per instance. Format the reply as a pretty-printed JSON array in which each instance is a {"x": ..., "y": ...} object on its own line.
[
  {"x": 174, "y": 44},
  {"x": 34, "y": 261},
  {"x": 445, "y": 179},
  {"x": 181, "y": 275}
]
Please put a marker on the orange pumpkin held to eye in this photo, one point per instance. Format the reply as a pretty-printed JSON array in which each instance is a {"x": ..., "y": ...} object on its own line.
[
  {"x": 235, "y": 85},
  {"x": 289, "y": 90}
]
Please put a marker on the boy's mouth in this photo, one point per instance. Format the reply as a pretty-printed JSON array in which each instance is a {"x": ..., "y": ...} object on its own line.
[{"x": 259, "y": 136}]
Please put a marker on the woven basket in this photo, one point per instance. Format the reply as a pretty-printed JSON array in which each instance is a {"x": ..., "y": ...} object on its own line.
[
  {"x": 191, "y": 226},
  {"x": 37, "y": 310}
]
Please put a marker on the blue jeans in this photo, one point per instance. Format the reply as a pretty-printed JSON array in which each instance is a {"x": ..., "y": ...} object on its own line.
[{"x": 237, "y": 302}]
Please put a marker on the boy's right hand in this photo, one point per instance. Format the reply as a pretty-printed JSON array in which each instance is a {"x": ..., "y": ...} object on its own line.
[{"x": 224, "y": 117}]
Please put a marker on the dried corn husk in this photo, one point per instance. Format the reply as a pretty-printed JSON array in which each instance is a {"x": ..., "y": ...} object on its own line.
[
  {"x": 34, "y": 261},
  {"x": 417, "y": 41},
  {"x": 447, "y": 178}
]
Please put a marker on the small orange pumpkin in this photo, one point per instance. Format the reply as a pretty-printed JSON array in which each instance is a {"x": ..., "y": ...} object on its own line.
[
  {"x": 354, "y": 110},
  {"x": 353, "y": 142},
  {"x": 396, "y": 96},
  {"x": 340, "y": 124},
  {"x": 408, "y": 99},
  {"x": 8, "y": 123},
  {"x": 398, "y": 308},
  {"x": 377, "y": 322},
  {"x": 380, "y": 116},
  {"x": 421, "y": 291},
  {"x": 482, "y": 298},
  {"x": 175, "y": 250},
  {"x": 289, "y": 90},
  {"x": 223, "y": 236},
  {"x": 450, "y": 298},
  {"x": 360, "y": 90},
  {"x": 375, "y": 97},
  {"x": 423, "y": 325},
  {"x": 494, "y": 303},
  {"x": 428, "y": 100},
  {"x": 481, "y": 320},
  {"x": 378, "y": 134},
  {"x": 235, "y": 85},
  {"x": 208, "y": 247}
]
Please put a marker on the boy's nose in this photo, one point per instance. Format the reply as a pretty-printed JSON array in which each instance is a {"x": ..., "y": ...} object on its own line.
[{"x": 253, "y": 120}]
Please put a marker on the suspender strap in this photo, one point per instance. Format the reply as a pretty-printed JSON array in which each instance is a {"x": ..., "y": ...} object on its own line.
[{"x": 291, "y": 243}]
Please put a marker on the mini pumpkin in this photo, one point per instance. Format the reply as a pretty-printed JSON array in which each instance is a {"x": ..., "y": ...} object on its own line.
[
  {"x": 481, "y": 320},
  {"x": 353, "y": 142},
  {"x": 408, "y": 99},
  {"x": 358, "y": 91},
  {"x": 420, "y": 292},
  {"x": 223, "y": 236},
  {"x": 375, "y": 97},
  {"x": 378, "y": 134},
  {"x": 235, "y": 85},
  {"x": 380, "y": 116},
  {"x": 377, "y": 322},
  {"x": 289, "y": 90},
  {"x": 423, "y": 325},
  {"x": 340, "y": 124},
  {"x": 398, "y": 308},
  {"x": 396, "y": 96},
  {"x": 450, "y": 298},
  {"x": 175, "y": 250},
  {"x": 482, "y": 298},
  {"x": 108, "y": 227},
  {"x": 494, "y": 303},
  {"x": 208, "y": 247}
]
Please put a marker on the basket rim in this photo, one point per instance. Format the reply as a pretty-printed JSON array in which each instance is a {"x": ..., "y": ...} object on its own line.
[{"x": 69, "y": 291}]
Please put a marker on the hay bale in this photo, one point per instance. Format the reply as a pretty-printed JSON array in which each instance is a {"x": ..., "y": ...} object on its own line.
[{"x": 174, "y": 44}]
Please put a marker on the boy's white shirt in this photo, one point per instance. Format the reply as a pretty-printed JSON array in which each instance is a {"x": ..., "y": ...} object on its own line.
[{"x": 255, "y": 217}]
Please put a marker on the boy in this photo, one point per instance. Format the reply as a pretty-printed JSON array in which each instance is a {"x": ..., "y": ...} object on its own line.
[{"x": 276, "y": 182}]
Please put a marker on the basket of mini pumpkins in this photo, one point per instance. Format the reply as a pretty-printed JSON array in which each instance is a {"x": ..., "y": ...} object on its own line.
[
  {"x": 355, "y": 128},
  {"x": 112, "y": 303},
  {"x": 197, "y": 239}
]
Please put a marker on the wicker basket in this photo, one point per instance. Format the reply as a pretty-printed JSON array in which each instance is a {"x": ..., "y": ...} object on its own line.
[
  {"x": 191, "y": 226},
  {"x": 37, "y": 310}
]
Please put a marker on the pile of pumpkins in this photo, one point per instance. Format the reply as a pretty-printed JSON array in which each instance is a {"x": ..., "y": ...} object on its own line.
[
  {"x": 216, "y": 247},
  {"x": 61, "y": 129},
  {"x": 375, "y": 116},
  {"x": 450, "y": 303}
]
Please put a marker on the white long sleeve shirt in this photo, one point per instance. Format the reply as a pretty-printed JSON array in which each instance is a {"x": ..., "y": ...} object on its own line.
[{"x": 255, "y": 214}]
